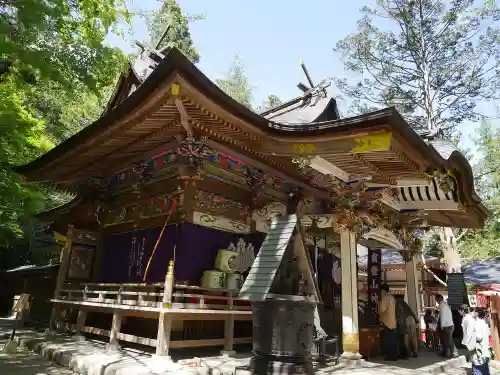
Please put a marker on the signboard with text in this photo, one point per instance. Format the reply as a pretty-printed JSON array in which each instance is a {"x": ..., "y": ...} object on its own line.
[{"x": 374, "y": 281}]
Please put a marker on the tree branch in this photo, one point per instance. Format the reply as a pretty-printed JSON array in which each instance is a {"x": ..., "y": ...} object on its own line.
[
  {"x": 427, "y": 269},
  {"x": 487, "y": 173},
  {"x": 461, "y": 235}
]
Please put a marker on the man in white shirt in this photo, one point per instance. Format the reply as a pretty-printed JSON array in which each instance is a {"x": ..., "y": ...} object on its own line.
[
  {"x": 480, "y": 352},
  {"x": 467, "y": 324},
  {"x": 446, "y": 327}
]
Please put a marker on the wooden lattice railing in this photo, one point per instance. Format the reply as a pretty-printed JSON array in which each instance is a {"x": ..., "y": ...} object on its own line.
[
  {"x": 187, "y": 303},
  {"x": 150, "y": 295}
]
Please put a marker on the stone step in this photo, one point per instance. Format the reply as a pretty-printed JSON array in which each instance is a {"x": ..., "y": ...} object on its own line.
[
  {"x": 445, "y": 366},
  {"x": 93, "y": 358}
]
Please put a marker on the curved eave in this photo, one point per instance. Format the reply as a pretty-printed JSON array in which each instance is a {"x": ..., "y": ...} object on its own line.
[
  {"x": 456, "y": 163},
  {"x": 56, "y": 212},
  {"x": 176, "y": 63}
]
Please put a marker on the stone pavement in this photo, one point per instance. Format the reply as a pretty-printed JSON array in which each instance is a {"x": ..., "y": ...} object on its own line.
[
  {"x": 92, "y": 358},
  {"x": 26, "y": 362}
]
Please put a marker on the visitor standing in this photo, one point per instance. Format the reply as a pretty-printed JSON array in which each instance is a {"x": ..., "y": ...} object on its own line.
[
  {"x": 411, "y": 337},
  {"x": 467, "y": 324},
  {"x": 406, "y": 324},
  {"x": 387, "y": 316},
  {"x": 446, "y": 327},
  {"x": 401, "y": 330},
  {"x": 480, "y": 353},
  {"x": 431, "y": 320},
  {"x": 428, "y": 321}
]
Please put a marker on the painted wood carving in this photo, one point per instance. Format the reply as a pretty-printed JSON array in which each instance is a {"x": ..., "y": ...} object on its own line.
[
  {"x": 159, "y": 162},
  {"x": 153, "y": 207},
  {"x": 167, "y": 161},
  {"x": 81, "y": 260},
  {"x": 216, "y": 204},
  {"x": 367, "y": 143},
  {"x": 220, "y": 222}
]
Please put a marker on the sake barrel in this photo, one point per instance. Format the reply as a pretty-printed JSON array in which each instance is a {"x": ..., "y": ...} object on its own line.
[
  {"x": 226, "y": 261},
  {"x": 213, "y": 279},
  {"x": 234, "y": 281}
]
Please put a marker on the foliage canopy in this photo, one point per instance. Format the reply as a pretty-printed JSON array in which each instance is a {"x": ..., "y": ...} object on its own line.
[
  {"x": 52, "y": 59},
  {"x": 431, "y": 59}
]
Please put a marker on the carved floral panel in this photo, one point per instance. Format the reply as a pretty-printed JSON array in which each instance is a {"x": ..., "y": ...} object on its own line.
[
  {"x": 156, "y": 206},
  {"x": 216, "y": 204}
]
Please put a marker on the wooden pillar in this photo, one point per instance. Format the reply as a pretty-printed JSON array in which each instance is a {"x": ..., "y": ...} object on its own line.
[
  {"x": 412, "y": 287},
  {"x": 80, "y": 320},
  {"x": 165, "y": 319},
  {"x": 495, "y": 328},
  {"x": 424, "y": 299},
  {"x": 229, "y": 329},
  {"x": 80, "y": 323},
  {"x": 350, "y": 325},
  {"x": 96, "y": 267},
  {"x": 61, "y": 278},
  {"x": 115, "y": 330}
]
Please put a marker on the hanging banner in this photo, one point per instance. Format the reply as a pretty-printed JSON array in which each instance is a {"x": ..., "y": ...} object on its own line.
[{"x": 374, "y": 280}]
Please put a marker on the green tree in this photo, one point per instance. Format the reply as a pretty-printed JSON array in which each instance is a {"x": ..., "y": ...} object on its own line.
[
  {"x": 271, "y": 102},
  {"x": 169, "y": 26},
  {"x": 236, "y": 83},
  {"x": 431, "y": 59},
  {"x": 65, "y": 115},
  {"x": 49, "y": 51},
  {"x": 485, "y": 243},
  {"x": 21, "y": 137},
  {"x": 62, "y": 40}
]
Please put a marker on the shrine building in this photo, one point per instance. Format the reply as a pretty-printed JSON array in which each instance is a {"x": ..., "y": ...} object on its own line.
[{"x": 199, "y": 222}]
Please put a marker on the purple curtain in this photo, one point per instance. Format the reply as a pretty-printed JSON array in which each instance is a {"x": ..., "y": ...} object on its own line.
[
  {"x": 126, "y": 254},
  {"x": 199, "y": 246}
]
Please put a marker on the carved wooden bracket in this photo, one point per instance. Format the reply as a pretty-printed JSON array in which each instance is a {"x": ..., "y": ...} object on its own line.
[
  {"x": 407, "y": 255},
  {"x": 144, "y": 173},
  {"x": 255, "y": 180},
  {"x": 445, "y": 179},
  {"x": 411, "y": 239},
  {"x": 94, "y": 187},
  {"x": 175, "y": 91},
  {"x": 294, "y": 201},
  {"x": 191, "y": 154}
]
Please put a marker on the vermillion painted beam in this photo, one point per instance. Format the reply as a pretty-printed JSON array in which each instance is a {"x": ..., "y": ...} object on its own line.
[{"x": 266, "y": 168}]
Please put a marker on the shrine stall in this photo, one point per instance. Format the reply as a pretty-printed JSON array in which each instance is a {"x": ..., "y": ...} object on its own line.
[{"x": 393, "y": 273}]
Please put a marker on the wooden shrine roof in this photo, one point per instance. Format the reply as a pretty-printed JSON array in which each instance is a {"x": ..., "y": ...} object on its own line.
[
  {"x": 324, "y": 109},
  {"x": 147, "y": 121}
]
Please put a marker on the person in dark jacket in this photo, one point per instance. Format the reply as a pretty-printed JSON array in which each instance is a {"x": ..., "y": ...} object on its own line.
[{"x": 401, "y": 330}]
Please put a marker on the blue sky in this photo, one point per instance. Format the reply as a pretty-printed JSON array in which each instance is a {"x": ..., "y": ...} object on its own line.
[{"x": 271, "y": 37}]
